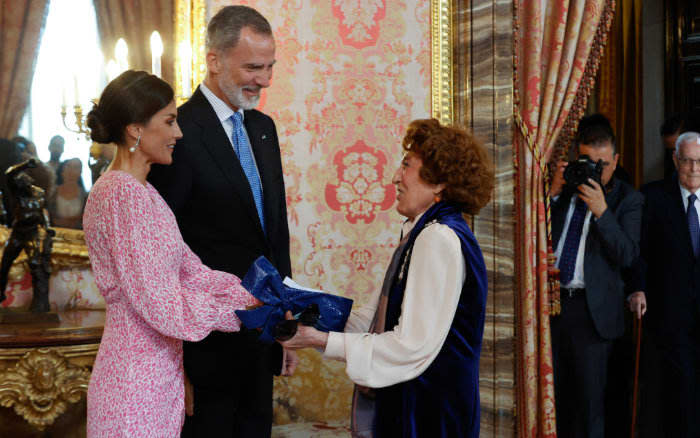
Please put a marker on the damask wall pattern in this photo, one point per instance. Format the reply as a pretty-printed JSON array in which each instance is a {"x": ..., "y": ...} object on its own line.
[{"x": 350, "y": 76}]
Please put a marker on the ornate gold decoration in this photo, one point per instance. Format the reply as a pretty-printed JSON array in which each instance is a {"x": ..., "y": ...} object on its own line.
[
  {"x": 69, "y": 251},
  {"x": 40, "y": 386},
  {"x": 191, "y": 30},
  {"x": 441, "y": 59}
]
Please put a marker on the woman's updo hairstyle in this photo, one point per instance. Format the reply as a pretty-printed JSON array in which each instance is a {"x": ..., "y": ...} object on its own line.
[
  {"x": 132, "y": 97},
  {"x": 453, "y": 157}
]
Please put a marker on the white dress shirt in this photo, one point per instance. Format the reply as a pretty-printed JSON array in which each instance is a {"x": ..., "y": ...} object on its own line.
[
  {"x": 684, "y": 194},
  {"x": 577, "y": 281},
  {"x": 224, "y": 113},
  {"x": 434, "y": 283}
]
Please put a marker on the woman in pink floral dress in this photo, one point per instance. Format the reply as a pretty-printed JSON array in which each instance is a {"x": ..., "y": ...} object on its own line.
[{"x": 157, "y": 291}]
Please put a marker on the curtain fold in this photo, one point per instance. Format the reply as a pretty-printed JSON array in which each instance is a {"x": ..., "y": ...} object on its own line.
[
  {"x": 21, "y": 24},
  {"x": 558, "y": 44},
  {"x": 620, "y": 93},
  {"x": 134, "y": 21}
]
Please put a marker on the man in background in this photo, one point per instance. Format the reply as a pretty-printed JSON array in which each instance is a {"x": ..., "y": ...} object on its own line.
[
  {"x": 56, "y": 145},
  {"x": 671, "y": 250},
  {"x": 595, "y": 231}
]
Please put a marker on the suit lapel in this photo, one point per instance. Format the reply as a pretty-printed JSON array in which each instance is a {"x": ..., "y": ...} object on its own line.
[
  {"x": 676, "y": 215},
  {"x": 215, "y": 141}
]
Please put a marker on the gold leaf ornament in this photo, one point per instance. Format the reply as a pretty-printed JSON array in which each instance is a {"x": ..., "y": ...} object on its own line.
[{"x": 41, "y": 385}]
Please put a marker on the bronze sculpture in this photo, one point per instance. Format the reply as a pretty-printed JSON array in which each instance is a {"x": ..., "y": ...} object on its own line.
[{"x": 29, "y": 217}]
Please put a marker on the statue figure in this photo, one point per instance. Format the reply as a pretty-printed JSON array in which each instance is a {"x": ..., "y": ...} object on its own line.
[{"x": 29, "y": 216}]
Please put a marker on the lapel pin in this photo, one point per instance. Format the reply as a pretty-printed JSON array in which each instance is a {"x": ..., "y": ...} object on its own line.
[{"x": 264, "y": 137}]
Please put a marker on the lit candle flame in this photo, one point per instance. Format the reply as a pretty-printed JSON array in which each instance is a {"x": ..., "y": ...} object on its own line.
[
  {"x": 121, "y": 52},
  {"x": 156, "y": 52}
]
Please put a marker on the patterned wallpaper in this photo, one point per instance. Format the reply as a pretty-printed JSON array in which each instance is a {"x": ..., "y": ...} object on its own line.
[{"x": 350, "y": 76}]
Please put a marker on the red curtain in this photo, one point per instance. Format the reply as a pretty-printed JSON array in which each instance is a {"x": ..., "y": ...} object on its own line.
[
  {"x": 21, "y": 23},
  {"x": 558, "y": 44}
]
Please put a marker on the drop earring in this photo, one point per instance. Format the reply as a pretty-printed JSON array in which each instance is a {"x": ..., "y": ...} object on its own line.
[
  {"x": 133, "y": 148},
  {"x": 436, "y": 198}
]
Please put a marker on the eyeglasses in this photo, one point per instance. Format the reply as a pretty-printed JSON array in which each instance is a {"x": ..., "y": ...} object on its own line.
[{"x": 685, "y": 161}]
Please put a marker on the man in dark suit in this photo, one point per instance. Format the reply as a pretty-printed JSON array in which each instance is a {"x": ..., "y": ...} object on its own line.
[
  {"x": 670, "y": 248},
  {"x": 595, "y": 231},
  {"x": 226, "y": 188}
]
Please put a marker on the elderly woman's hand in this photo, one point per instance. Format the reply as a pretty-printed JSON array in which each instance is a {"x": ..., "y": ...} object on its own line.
[{"x": 305, "y": 337}]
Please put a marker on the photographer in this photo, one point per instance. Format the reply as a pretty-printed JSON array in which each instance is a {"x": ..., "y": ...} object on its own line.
[{"x": 596, "y": 222}]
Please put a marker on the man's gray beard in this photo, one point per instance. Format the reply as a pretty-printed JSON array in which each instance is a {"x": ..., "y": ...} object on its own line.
[{"x": 237, "y": 99}]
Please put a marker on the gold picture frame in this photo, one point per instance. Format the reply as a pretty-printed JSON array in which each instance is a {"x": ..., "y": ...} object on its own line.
[{"x": 190, "y": 30}]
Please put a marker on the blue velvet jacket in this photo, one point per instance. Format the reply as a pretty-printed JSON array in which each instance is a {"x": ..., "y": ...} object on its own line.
[{"x": 444, "y": 400}]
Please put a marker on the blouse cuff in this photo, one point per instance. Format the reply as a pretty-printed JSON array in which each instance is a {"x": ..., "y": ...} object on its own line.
[{"x": 335, "y": 346}]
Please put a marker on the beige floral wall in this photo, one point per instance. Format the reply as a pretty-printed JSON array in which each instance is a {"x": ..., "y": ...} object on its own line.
[{"x": 350, "y": 76}]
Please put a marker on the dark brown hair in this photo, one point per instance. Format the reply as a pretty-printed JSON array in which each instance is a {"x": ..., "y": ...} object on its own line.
[
  {"x": 453, "y": 157},
  {"x": 132, "y": 97}
]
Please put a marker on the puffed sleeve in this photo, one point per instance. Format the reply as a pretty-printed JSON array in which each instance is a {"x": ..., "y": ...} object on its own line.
[
  {"x": 433, "y": 287},
  {"x": 164, "y": 282}
]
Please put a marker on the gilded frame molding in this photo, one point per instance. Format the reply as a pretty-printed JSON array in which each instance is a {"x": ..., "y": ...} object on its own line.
[
  {"x": 441, "y": 30},
  {"x": 190, "y": 28}
]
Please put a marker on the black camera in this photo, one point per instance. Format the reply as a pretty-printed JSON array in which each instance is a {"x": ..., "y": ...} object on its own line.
[{"x": 578, "y": 172}]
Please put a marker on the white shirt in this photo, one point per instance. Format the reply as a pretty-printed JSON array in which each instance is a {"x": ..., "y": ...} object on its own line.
[
  {"x": 433, "y": 287},
  {"x": 577, "y": 281},
  {"x": 224, "y": 113},
  {"x": 684, "y": 194}
]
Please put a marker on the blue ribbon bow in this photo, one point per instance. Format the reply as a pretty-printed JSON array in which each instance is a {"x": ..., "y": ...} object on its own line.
[{"x": 263, "y": 281}]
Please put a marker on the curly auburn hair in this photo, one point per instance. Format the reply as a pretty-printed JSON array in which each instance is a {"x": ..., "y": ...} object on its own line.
[{"x": 453, "y": 157}]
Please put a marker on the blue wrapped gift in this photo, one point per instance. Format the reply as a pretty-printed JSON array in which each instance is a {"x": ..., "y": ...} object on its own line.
[{"x": 263, "y": 281}]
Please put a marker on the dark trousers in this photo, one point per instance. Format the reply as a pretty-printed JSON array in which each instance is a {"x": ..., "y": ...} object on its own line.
[
  {"x": 680, "y": 407},
  {"x": 232, "y": 382},
  {"x": 580, "y": 359}
]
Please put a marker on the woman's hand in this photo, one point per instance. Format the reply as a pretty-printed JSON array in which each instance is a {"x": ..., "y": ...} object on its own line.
[{"x": 305, "y": 337}]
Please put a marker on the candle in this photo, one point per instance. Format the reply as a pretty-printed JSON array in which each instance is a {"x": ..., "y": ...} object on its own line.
[
  {"x": 63, "y": 96},
  {"x": 156, "y": 52},
  {"x": 75, "y": 88},
  {"x": 121, "y": 52}
]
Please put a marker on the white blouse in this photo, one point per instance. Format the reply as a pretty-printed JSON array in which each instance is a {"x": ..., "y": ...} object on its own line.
[{"x": 435, "y": 277}]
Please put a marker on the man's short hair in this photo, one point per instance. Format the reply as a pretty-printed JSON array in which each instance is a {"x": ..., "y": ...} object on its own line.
[
  {"x": 57, "y": 139},
  {"x": 595, "y": 130},
  {"x": 224, "y": 29},
  {"x": 687, "y": 137}
]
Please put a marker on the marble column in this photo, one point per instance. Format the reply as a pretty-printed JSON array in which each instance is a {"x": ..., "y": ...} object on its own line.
[{"x": 483, "y": 102}]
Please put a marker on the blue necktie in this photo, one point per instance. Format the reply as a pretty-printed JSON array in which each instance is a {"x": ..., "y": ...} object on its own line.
[
  {"x": 567, "y": 262},
  {"x": 693, "y": 224},
  {"x": 244, "y": 153}
]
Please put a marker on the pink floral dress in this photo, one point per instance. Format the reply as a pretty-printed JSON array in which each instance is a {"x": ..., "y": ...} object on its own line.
[{"x": 158, "y": 293}]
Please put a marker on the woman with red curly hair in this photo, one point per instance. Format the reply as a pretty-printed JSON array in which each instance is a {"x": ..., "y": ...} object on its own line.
[{"x": 414, "y": 350}]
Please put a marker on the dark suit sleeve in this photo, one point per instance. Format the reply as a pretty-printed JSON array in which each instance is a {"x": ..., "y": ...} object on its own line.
[{"x": 620, "y": 233}]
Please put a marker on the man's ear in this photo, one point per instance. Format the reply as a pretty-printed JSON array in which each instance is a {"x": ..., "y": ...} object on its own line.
[{"x": 213, "y": 60}]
